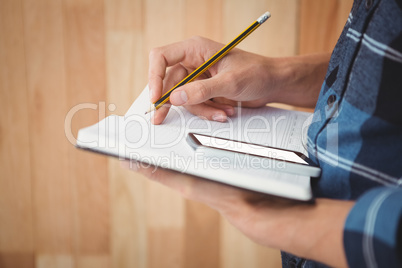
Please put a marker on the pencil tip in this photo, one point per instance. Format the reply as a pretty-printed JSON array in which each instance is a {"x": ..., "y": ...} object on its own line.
[{"x": 149, "y": 110}]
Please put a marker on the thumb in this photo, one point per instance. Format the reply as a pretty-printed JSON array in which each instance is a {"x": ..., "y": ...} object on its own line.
[{"x": 196, "y": 92}]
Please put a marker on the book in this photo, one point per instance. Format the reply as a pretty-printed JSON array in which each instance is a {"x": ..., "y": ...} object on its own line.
[{"x": 133, "y": 137}]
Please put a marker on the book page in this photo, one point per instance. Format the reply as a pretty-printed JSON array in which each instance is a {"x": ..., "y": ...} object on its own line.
[
  {"x": 133, "y": 137},
  {"x": 266, "y": 125}
]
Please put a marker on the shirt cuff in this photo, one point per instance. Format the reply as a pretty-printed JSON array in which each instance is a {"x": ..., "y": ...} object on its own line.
[{"x": 372, "y": 235}]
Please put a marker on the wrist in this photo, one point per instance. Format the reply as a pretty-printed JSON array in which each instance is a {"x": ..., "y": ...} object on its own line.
[
  {"x": 318, "y": 232},
  {"x": 298, "y": 80}
]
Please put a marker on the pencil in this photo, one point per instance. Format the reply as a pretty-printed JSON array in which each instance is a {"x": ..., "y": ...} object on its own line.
[{"x": 216, "y": 57}]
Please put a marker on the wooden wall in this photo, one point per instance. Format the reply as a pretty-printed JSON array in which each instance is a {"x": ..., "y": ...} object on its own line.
[{"x": 66, "y": 64}]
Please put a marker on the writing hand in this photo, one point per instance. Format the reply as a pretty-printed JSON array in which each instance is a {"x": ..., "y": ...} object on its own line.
[{"x": 239, "y": 76}]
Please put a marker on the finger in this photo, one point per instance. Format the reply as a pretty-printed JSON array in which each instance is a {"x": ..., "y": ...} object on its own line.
[
  {"x": 211, "y": 111},
  {"x": 159, "y": 60},
  {"x": 160, "y": 114},
  {"x": 205, "y": 111},
  {"x": 199, "y": 91},
  {"x": 189, "y": 52},
  {"x": 222, "y": 197},
  {"x": 228, "y": 108},
  {"x": 190, "y": 187},
  {"x": 185, "y": 184},
  {"x": 176, "y": 180},
  {"x": 173, "y": 76},
  {"x": 226, "y": 101}
]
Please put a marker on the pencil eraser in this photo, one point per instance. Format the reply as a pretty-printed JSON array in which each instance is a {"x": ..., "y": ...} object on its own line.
[{"x": 264, "y": 17}]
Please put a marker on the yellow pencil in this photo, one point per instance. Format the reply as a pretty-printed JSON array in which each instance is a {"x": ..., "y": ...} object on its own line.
[{"x": 217, "y": 56}]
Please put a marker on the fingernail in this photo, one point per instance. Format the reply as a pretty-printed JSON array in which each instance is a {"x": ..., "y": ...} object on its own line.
[
  {"x": 129, "y": 164},
  {"x": 219, "y": 117},
  {"x": 178, "y": 98},
  {"x": 229, "y": 111},
  {"x": 125, "y": 164},
  {"x": 133, "y": 165}
]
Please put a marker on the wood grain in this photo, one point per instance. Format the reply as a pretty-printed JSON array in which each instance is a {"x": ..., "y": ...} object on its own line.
[
  {"x": 16, "y": 210},
  {"x": 126, "y": 75},
  {"x": 83, "y": 27},
  {"x": 276, "y": 37},
  {"x": 165, "y": 209},
  {"x": 66, "y": 64},
  {"x": 202, "y": 224},
  {"x": 238, "y": 251},
  {"x": 321, "y": 23},
  {"x": 51, "y": 186}
]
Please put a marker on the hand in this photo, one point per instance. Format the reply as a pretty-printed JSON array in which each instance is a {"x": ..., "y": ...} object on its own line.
[
  {"x": 312, "y": 231},
  {"x": 239, "y": 76}
]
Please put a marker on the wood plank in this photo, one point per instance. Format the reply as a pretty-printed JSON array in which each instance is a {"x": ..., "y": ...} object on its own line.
[
  {"x": 165, "y": 246},
  {"x": 19, "y": 259},
  {"x": 128, "y": 218},
  {"x": 43, "y": 23},
  {"x": 16, "y": 234},
  {"x": 126, "y": 59},
  {"x": 204, "y": 19},
  {"x": 321, "y": 23},
  {"x": 277, "y": 37},
  {"x": 84, "y": 44},
  {"x": 202, "y": 230},
  {"x": 50, "y": 260},
  {"x": 60, "y": 207},
  {"x": 164, "y": 24},
  {"x": 126, "y": 63},
  {"x": 238, "y": 252},
  {"x": 202, "y": 236},
  {"x": 166, "y": 227}
]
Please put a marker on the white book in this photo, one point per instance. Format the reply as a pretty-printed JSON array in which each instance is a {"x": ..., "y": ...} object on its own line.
[{"x": 132, "y": 136}]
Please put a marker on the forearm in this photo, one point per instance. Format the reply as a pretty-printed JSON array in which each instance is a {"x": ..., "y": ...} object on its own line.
[
  {"x": 300, "y": 79},
  {"x": 313, "y": 232},
  {"x": 319, "y": 232}
]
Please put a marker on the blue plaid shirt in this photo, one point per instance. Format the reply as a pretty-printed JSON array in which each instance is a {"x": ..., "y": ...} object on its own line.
[{"x": 356, "y": 134}]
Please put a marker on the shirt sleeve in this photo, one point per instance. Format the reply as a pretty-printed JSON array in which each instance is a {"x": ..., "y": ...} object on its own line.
[{"x": 372, "y": 234}]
